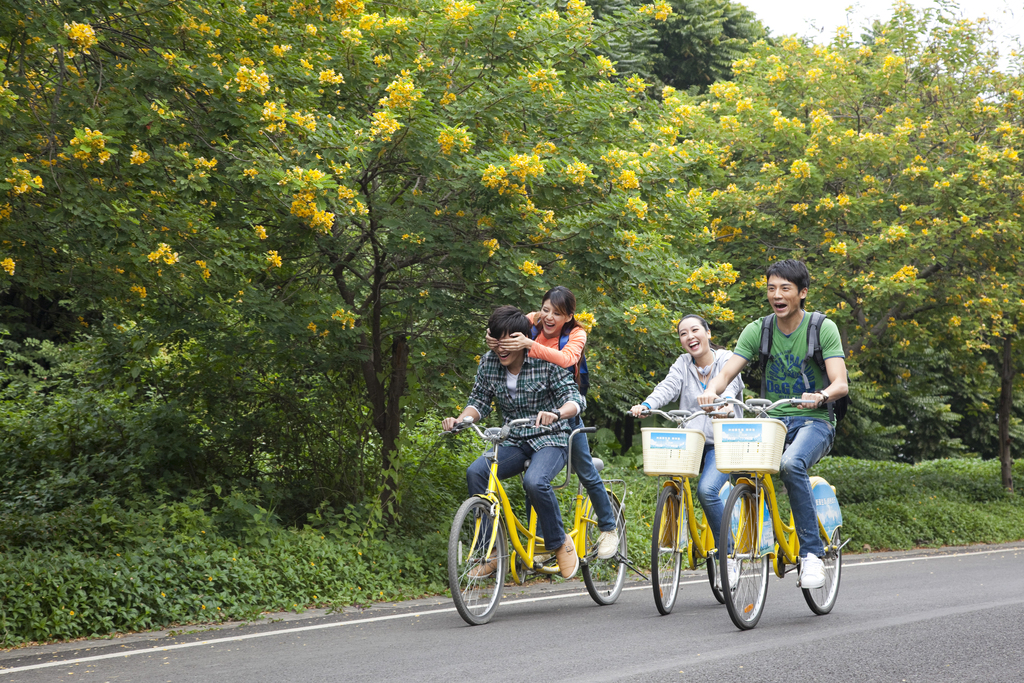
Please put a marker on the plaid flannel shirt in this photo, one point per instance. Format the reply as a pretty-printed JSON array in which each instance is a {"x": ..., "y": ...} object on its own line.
[{"x": 541, "y": 386}]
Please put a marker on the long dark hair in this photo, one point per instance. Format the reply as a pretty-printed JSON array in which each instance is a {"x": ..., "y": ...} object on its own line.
[
  {"x": 704, "y": 324},
  {"x": 564, "y": 301}
]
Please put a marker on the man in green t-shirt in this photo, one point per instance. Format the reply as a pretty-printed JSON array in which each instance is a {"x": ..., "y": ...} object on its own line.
[{"x": 809, "y": 431}]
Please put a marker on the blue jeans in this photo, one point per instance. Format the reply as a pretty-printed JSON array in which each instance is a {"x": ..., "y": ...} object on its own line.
[
  {"x": 545, "y": 465},
  {"x": 808, "y": 439},
  {"x": 708, "y": 488},
  {"x": 583, "y": 466}
]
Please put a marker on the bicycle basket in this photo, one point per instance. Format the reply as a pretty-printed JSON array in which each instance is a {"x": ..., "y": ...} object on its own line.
[
  {"x": 672, "y": 451},
  {"x": 749, "y": 445}
]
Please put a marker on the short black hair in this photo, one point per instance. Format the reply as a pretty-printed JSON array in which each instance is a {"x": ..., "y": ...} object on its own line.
[
  {"x": 506, "y": 320},
  {"x": 792, "y": 270}
]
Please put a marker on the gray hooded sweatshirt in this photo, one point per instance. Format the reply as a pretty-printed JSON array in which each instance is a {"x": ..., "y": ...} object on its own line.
[{"x": 684, "y": 383}]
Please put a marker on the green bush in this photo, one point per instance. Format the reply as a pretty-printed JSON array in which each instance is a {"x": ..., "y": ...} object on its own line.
[{"x": 172, "y": 566}]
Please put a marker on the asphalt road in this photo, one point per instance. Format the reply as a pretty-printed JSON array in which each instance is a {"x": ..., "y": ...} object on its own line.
[{"x": 946, "y": 615}]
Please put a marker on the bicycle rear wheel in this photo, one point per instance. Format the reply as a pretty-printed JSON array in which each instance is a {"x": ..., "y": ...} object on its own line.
[
  {"x": 666, "y": 558},
  {"x": 604, "y": 578},
  {"x": 744, "y": 588},
  {"x": 475, "y": 578},
  {"x": 821, "y": 600}
]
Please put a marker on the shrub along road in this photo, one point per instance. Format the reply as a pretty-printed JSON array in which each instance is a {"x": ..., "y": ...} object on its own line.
[{"x": 948, "y": 614}]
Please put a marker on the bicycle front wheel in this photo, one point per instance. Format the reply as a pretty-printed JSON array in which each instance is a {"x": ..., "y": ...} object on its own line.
[
  {"x": 744, "y": 569},
  {"x": 821, "y": 600},
  {"x": 666, "y": 558},
  {"x": 476, "y": 567},
  {"x": 604, "y": 578}
]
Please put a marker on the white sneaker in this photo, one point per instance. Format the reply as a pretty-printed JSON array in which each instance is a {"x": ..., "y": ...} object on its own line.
[
  {"x": 607, "y": 544},
  {"x": 812, "y": 572},
  {"x": 734, "y": 574}
]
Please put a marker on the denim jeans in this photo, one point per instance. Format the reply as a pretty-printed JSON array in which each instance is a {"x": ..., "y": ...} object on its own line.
[
  {"x": 583, "y": 466},
  {"x": 708, "y": 487},
  {"x": 808, "y": 439},
  {"x": 545, "y": 465}
]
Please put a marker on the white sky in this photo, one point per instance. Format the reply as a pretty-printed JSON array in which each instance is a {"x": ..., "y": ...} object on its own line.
[{"x": 819, "y": 18}]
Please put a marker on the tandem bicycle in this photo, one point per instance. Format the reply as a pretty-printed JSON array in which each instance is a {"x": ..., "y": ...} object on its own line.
[
  {"x": 751, "y": 450},
  {"x": 484, "y": 524}
]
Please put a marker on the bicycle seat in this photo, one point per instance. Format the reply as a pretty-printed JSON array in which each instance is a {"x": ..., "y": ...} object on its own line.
[{"x": 598, "y": 464}]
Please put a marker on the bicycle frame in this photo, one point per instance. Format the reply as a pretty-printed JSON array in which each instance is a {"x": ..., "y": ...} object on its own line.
[
  {"x": 701, "y": 536},
  {"x": 528, "y": 550},
  {"x": 786, "y": 540}
]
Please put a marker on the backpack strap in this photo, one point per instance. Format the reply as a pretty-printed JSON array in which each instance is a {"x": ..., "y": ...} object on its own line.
[
  {"x": 765, "y": 354},
  {"x": 581, "y": 365},
  {"x": 814, "y": 350}
]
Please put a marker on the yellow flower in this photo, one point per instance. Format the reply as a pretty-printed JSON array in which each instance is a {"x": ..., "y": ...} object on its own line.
[
  {"x": 274, "y": 259},
  {"x": 661, "y": 10},
  {"x": 311, "y": 327},
  {"x": 138, "y": 156},
  {"x": 637, "y": 206},
  {"x": 586, "y": 320},
  {"x": 260, "y": 231},
  {"x": 491, "y": 245},
  {"x": 141, "y": 291},
  {"x": 163, "y": 252},
  {"x": 81, "y": 35},
  {"x": 206, "y": 271},
  {"x": 250, "y": 79},
  {"x": 346, "y": 318},
  {"x": 384, "y": 125},
  {"x": 800, "y": 169},
  {"x": 457, "y": 10},
  {"x": 838, "y": 248},
  {"x": 577, "y": 172},
  {"x": 628, "y": 180},
  {"x": 531, "y": 268},
  {"x": 8, "y": 265},
  {"x": 329, "y": 77}
]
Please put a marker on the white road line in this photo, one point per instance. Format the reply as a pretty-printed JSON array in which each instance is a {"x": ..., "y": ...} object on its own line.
[{"x": 517, "y": 601}]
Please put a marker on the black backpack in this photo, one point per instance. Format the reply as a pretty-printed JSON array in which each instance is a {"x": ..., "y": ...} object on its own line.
[{"x": 837, "y": 407}]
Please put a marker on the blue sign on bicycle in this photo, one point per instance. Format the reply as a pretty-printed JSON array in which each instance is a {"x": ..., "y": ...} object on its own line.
[
  {"x": 741, "y": 433},
  {"x": 667, "y": 440},
  {"x": 827, "y": 505}
]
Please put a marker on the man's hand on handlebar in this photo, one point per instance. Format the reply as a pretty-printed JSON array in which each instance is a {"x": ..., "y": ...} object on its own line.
[
  {"x": 707, "y": 400},
  {"x": 546, "y": 417},
  {"x": 448, "y": 424},
  {"x": 810, "y": 401}
]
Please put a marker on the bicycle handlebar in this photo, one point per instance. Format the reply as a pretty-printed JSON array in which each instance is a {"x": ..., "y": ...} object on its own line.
[
  {"x": 680, "y": 417},
  {"x": 759, "y": 405}
]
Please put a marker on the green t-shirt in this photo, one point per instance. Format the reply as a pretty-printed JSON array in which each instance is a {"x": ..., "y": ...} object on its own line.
[{"x": 784, "y": 379}]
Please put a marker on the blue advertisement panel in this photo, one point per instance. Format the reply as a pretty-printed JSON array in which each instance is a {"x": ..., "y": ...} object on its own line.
[
  {"x": 767, "y": 530},
  {"x": 668, "y": 440},
  {"x": 733, "y": 433},
  {"x": 827, "y": 505}
]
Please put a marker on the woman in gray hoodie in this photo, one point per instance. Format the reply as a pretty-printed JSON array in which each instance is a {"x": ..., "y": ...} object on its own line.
[{"x": 687, "y": 379}]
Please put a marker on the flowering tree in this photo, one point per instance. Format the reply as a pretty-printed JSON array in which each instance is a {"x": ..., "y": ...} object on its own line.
[
  {"x": 337, "y": 184},
  {"x": 893, "y": 167}
]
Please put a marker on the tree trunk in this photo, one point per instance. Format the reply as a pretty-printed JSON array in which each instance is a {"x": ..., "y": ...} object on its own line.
[{"x": 1005, "y": 410}]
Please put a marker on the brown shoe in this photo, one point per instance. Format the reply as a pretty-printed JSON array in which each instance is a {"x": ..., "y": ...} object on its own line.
[
  {"x": 486, "y": 569},
  {"x": 568, "y": 560}
]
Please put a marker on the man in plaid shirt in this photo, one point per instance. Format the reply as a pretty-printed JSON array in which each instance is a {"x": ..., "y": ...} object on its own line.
[{"x": 526, "y": 387}]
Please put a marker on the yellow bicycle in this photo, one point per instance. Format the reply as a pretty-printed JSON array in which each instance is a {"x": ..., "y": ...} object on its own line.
[
  {"x": 751, "y": 449},
  {"x": 676, "y": 531},
  {"x": 478, "y": 554}
]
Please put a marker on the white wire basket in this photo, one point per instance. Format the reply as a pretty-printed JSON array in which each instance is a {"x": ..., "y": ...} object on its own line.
[
  {"x": 749, "y": 445},
  {"x": 674, "y": 452}
]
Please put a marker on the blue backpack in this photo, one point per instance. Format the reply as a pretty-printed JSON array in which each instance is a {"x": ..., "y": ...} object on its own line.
[{"x": 580, "y": 372}]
